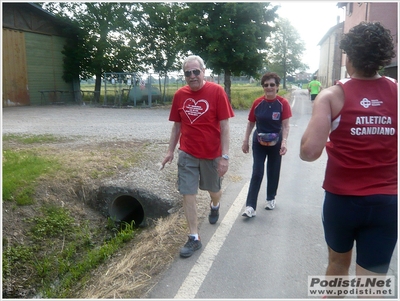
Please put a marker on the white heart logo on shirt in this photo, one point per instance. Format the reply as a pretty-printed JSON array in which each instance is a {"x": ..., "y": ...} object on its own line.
[{"x": 193, "y": 109}]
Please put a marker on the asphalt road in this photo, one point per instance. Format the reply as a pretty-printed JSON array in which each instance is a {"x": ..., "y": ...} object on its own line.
[{"x": 271, "y": 255}]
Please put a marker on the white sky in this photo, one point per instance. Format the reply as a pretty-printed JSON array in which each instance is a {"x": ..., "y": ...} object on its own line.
[{"x": 312, "y": 20}]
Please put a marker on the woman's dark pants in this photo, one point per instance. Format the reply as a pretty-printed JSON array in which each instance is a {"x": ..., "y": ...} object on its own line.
[{"x": 273, "y": 168}]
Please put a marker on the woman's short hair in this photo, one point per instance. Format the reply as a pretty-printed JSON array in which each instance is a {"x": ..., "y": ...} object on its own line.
[
  {"x": 193, "y": 58},
  {"x": 270, "y": 75},
  {"x": 369, "y": 47}
]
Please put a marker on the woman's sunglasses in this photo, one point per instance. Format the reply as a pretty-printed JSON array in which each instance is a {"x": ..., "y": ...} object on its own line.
[
  {"x": 196, "y": 72},
  {"x": 271, "y": 85}
]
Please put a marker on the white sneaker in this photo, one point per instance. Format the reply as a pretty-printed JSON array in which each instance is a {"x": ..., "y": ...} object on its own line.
[
  {"x": 270, "y": 205},
  {"x": 249, "y": 212}
]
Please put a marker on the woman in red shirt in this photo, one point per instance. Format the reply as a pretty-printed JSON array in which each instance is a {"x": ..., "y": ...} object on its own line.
[
  {"x": 270, "y": 115},
  {"x": 359, "y": 116}
]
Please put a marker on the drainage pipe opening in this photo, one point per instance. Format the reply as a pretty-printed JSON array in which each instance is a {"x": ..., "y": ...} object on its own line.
[
  {"x": 124, "y": 204},
  {"x": 126, "y": 208}
]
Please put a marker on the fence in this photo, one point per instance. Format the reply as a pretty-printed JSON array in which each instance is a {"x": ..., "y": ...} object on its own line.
[
  {"x": 122, "y": 89},
  {"x": 134, "y": 89}
]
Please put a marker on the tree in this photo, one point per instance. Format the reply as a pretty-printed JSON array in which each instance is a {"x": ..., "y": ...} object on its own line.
[
  {"x": 287, "y": 48},
  {"x": 158, "y": 39},
  {"x": 228, "y": 36},
  {"x": 106, "y": 41}
]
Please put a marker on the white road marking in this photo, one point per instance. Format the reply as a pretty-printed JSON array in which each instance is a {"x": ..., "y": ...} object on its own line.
[{"x": 198, "y": 273}]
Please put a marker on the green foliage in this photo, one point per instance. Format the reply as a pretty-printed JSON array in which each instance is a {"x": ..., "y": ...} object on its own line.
[
  {"x": 56, "y": 221},
  {"x": 111, "y": 224},
  {"x": 134, "y": 36},
  {"x": 15, "y": 257},
  {"x": 104, "y": 39},
  {"x": 75, "y": 271},
  {"x": 288, "y": 47},
  {"x": 61, "y": 253},
  {"x": 121, "y": 37},
  {"x": 228, "y": 36},
  {"x": 76, "y": 60},
  {"x": 157, "y": 29},
  {"x": 21, "y": 168}
]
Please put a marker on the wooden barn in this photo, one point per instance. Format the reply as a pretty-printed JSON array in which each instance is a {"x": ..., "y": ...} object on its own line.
[{"x": 33, "y": 41}]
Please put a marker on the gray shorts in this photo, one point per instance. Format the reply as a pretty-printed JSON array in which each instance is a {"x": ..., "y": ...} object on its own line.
[{"x": 194, "y": 173}]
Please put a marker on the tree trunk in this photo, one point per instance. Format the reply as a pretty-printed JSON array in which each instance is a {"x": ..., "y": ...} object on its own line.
[
  {"x": 97, "y": 87},
  {"x": 227, "y": 83},
  {"x": 164, "y": 89},
  {"x": 284, "y": 74},
  {"x": 284, "y": 81}
]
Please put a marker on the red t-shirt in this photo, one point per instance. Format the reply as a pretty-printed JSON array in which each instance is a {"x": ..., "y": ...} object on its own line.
[
  {"x": 200, "y": 113},
  {"x": 362, "y": 146}
]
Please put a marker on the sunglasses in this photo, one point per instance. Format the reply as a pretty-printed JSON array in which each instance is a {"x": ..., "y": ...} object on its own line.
[
  {"x": 271, "y": 85},
  {"x": 196, "y": 72}
]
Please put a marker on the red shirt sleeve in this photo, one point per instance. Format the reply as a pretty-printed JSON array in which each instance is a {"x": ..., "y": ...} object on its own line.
[{"x": 286, "y": 110}]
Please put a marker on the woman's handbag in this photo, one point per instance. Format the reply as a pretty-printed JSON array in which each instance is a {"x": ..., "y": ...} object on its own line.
[{"x": 268, "y": 139}]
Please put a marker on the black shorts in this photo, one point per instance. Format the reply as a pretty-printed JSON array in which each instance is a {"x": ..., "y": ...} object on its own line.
[
  {"x": 313, "y": 96},
  {"x": 370, "y": 221}
]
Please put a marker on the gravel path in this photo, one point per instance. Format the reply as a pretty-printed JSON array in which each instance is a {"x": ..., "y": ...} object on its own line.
[
  {"x": 105, "y": 124},
  {"x": 102, "y": 124},
  {"x": 88, "y": 122}
]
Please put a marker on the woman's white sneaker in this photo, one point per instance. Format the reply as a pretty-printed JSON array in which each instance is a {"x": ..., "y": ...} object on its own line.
[
  {"x": 270, "y": 205},
  {"x": 249, "y": 212}
]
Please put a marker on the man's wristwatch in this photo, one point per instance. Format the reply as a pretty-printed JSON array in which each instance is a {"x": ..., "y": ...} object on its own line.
[{"x": 225, "y": 156}]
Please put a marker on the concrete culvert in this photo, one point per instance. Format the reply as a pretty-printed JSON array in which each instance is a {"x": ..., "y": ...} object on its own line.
[
  {"x": 131, "y": 204},
  {"x": 126, "y": 208}
]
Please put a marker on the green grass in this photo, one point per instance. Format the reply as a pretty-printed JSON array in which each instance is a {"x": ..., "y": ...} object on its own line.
[
  {"x": 29, "y": 139},
  {"x": 60, "y": 269},
  {"x": 21, "y": 168},
  {"x": 64, "y": 255},
  {"x": 243, "y": 95}
]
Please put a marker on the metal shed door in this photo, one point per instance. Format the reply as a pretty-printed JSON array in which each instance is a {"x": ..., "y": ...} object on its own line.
[{"x": 45, "y": 65}]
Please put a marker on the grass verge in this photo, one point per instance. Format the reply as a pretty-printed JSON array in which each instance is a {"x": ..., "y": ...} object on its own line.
[
  {"x": 243, "y": 95},
  {"x": 21, "y": 169},
  {"x": 52, "y": 245}
]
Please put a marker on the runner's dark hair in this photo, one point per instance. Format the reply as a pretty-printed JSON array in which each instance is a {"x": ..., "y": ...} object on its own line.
[
  {"x": 270, "y": 75},
  {"x": 369, "y": 47}
]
